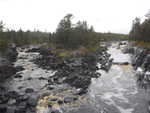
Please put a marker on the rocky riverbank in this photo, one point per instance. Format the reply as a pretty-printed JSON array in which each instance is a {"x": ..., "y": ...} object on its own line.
[
  {"x": 6, "y": 63},
  {"x": 42, "y": 75},
  {"x": 77, "y": 71},
  {"x": 141, "y": 63}
]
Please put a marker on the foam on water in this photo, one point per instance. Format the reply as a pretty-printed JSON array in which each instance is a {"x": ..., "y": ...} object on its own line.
[{"x": 118, "y": 87}]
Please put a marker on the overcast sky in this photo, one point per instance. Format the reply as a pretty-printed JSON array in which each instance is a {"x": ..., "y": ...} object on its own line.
[{"x": 104, "y": 15}]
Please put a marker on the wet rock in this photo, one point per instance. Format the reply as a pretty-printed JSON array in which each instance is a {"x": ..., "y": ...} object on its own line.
[
  {"x": 22, "y": 98},
  {"x": 42, "y": 78},
  {"x": 70, "y": 99},
  {"x": 18, "y": 76},
  {"x": 139, "y": 57},
  {"x": 78, "y": 81},
  {"x": 3, "y": 108},
  {"x": 13, "y": 94},
  {"x": 33, "y": 50},
  {"x": 50, "y": 88},
  {"x": 29, "y": 78},
  {"x": 29, "y": 90},
  {"x": 80, "y": 91},
  {"x": 55, "y": 111},
  {"x": 20, "y": 109},
  {"x": 97, "y": 75},
  {"x": 121, "y": 63},
  {"x": 129, "y": 50},
  {"x": 19, "y": 68},
  {"x": 6, "y": 74},
  {"x": 77, "y": 71},
  {"x": 3, "y": 98},
  {"x": 31, "y": 110},
  {"x": 146, "y": 63},
  {"x": 12, "y": 53},
  {"x": 60, "y": 102},
  {"x": 11, "y": 109},
  {"x": 32, "y": 101},
  {"x": 52, "y": 99}
]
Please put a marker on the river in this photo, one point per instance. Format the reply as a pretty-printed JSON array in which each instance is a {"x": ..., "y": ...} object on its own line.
[{"x": 116, "y": 91}]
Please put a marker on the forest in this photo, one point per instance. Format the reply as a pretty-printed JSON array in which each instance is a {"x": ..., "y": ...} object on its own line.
[
  {"x": 140, "y": 30},
  {"x": 67, "y": 35}
]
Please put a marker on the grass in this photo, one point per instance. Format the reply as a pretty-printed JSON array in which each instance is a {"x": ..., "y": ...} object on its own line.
[
  {"x": 76, "y": 52},
  {"x": 142, "y": 44}
]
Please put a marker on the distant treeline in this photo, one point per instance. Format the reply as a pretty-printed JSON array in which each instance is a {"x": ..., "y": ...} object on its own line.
[
  {"x": 67, "y": 35},
  {"x": 113, "y": 36},
  {"x": 141, "y": 30}
]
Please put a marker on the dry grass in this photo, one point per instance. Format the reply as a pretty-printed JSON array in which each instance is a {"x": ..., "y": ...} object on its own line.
[
  {"x": 142, "y": 44},
  {"x": 77, "y": 52}
]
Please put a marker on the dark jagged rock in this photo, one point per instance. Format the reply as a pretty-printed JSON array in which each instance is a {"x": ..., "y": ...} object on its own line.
[
  {"x": 32, "y": 101},
  {"x": 77, "y": 71},
  {"x": 141, "y": 58},
  {"x": 78, "y": 81},
  {"x": 3, "y": 108},
  {"x": 70, "y": 99},
  {"x": 29, "y": 90},
  {"x": 18, "y": 76},
  {"x": 11, "y": 53},
  {"x": 19, "y": 68},
  {"x": 6, "y": 71},
  {"x": 55, "y": 111}
]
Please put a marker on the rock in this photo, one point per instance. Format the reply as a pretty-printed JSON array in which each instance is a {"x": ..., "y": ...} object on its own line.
[
  {"x": 11, "y": 102},
  {"x": 29, "y": 90},
  {"x": 20, "y": 109},
  {"x": 146, "y": 63},
  {"x": 70, "y": 99},
  {"x": 33, "y": 50},
  {"x": 78, "y": 81},
  {"x": 11, "y": 109},
  {"x": 60, "y": 102},
  {"x": 129, "y": 50},
  {"x": 50, "y": 88},
  {"x": 42, "y": 78},
  {"x": 139, "y": 58},
  {"x": 121, "y": 63},
  {"x": 55, "y": 111},
  {"x": 13, "y": 94},
  {"x": 29, "y": 78},
  {"x": 52, "y": 99},
  {"x": 18, "y": 76},
  {"x": 80, "y": 91},
  {"x": 22, "y": 98},
  {"x": 32, "y": 101},
  {"x": 97, "y": 75},
  {"x": 19, "y": 68},
  {"x": 3, "y": 108},
  {"x": 4, "y": 98},
  {"x": 12, "y": 53},
  {"x": 76, "y": 71},
  {"x": 6, "y": 74}
]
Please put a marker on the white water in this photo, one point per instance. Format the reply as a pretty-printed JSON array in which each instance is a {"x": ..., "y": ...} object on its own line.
[
  {"x": 117, "y": 55},
  {"x": 30, "y": 74},
  {"x": 117, "y": 91}
]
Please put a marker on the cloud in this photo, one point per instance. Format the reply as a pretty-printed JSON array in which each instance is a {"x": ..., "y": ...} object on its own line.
[{"x": 104, "y": 15}]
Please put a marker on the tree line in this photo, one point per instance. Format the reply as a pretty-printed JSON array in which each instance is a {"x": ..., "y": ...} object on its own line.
[
  {"x": 141, "y": 30},
  {"x": 67, "y": 35}
]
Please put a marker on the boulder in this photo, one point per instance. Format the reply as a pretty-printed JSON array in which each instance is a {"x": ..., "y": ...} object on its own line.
[{"x": 70, "y": 99}]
